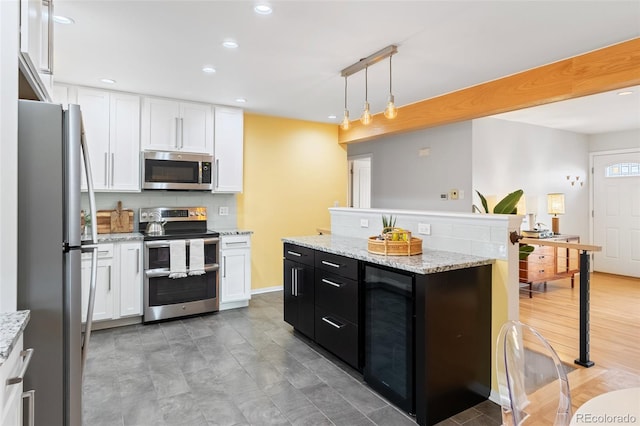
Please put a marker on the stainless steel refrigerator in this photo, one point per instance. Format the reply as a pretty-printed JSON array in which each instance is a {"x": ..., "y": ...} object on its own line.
[{"x": 49, "y": 252}]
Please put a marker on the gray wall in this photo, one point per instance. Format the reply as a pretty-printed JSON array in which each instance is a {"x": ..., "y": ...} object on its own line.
[
  {"x": 625, "y": 139},
  {"x": 401, "y": 179}
]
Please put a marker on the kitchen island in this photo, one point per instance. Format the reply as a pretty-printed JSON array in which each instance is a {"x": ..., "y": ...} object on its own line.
[{"x": 417, "y": 327}]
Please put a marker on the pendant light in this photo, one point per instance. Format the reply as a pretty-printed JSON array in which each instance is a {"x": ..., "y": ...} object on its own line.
[
  {"x": 345, "y": 121},
  {"x": 366, "y": 118},
  {"x": 390, "y": 111}
]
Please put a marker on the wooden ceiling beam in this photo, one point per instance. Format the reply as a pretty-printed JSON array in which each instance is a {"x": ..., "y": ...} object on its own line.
[{"x": 610, "y": 68}]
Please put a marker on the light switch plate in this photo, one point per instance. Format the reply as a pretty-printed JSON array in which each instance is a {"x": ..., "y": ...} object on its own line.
[
  {"x": 223, "y": 211},
  {"x": 364, "y": 223},
  {"x": 424, "y": 228}
]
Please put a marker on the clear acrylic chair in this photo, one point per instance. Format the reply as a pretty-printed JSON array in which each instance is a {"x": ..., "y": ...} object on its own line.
[{"x": 532, "y": 381}]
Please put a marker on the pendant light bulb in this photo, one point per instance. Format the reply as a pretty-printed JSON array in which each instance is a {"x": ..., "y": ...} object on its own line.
[
  {"x": 390, "y": 111},
  {"x": 345, "y": 121},
  {"x": 366, "y": 117}
]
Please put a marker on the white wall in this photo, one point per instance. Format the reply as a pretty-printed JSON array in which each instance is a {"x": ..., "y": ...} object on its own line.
[
  {"x": 8, "y": 154},
  {"x": 508, "y": 156},
  {"x": 401, "y": 179},
  {"x": 615, "y": 140}
]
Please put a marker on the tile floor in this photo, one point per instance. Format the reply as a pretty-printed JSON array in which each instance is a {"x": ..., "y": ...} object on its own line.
[{"x": 237, "y": 367}]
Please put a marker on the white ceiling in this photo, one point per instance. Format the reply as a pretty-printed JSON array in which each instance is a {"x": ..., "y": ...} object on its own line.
[{"x": 288, "y": 63}]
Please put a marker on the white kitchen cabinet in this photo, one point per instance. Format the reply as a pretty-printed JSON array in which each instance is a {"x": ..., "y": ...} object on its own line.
[
  {"x": 130, "y": 259},
  {"x": 119, "y": 285},
  {"x": 172, "y": 125},
  {"x": 105, "y": 288},
  {"x": 235, "y": 274},
  {"x": 228, "y": 149},
  {"x": 11, "y": 395},
  {"x": 112, "y": 128},
  {"x": 36, "y": 45}
]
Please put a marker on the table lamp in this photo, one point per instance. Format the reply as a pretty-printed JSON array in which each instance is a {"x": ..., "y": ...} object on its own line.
[{"x": 555, "y": 206}]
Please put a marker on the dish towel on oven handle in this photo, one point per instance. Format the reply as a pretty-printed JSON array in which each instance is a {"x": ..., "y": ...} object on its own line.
[
  {"x": 177, "y": 259},
  {"x": 196, "y": 257}
]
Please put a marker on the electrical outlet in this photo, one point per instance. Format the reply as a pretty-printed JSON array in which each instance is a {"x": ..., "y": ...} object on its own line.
[
  {"x": 424, "y": 228},
  {"x": 364, "y": 223},
  {"x": 453, "y": 194},
  {"x": 223, "y": 211},
  {"x": 444, "y": 196}
]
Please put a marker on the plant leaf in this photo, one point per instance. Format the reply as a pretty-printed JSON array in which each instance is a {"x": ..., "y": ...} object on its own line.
[
  {"x": 484, "y": 201},
  {"x": 525, "y": 251},
  {"x": 508, "y": 204}
]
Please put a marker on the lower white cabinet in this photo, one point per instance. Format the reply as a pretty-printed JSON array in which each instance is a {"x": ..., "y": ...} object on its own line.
[
  {"x": 11, "y": 393},
  {"x": 235, "y": 271},
  {"x": 119, "y": 283}
]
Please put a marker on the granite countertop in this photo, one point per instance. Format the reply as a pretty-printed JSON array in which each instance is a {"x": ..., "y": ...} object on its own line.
[
  {"x": 429, "y": 262},
  {"x": 12, "y": 324},
  {"x": 233, "y": 231},
  {"x": 125, "y": 236}
]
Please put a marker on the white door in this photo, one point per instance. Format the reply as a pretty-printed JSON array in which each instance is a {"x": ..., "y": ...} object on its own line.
[
  {"x": 616, "y": 213},
  {"x": 360, "y": 188}
]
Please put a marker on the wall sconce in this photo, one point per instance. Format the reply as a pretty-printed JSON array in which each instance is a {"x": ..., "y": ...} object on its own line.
[
  {"x": 555, "y": 206},
  {"x": 575, "y": 180},
  {"x": 390, "y": 111}
]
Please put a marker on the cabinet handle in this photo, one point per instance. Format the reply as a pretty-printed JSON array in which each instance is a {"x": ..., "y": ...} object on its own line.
[
  {"x": 335, "y": 324},
  {"x": 293, "y": 253},
  {"x": 32, "y": 405},
  {"x": 106, "y": 168},
  {"x": 326, "y": 281},
  {"x": 236, "y": 243},
  {"x": 137, "y": 261},
  {"x": 296, "y": 276},
  {"x": 181, "y": 133},
  {"x": 217, "y": 172},
  {"x": 335, "y": 265},
  {"x": 26, "y": 354},
  {"x": 109, "y": 277},
  {"x": 113, "y": 161},
  {"x": 176, "y": 135},
  {"x": 224, "y": 266},
  {"x": 293, "y": 281}
]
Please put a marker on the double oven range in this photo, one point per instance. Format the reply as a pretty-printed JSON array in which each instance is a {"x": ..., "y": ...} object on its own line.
[{"x": 166, "y": 297}]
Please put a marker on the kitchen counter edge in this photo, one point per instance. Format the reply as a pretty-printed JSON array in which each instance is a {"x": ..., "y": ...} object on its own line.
[
  {"x": 12, "y": 324},
  {"x": 226, "y": 232},
  {"x": 429, "y": 262},
  {"x": 114, "y": 238}
]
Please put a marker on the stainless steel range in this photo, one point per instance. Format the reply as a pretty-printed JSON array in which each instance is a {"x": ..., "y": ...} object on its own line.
[{"x": 166, "y": 297}]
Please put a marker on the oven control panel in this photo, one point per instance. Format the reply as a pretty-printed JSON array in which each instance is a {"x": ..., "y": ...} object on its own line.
[{"x": 172, "y": 214}]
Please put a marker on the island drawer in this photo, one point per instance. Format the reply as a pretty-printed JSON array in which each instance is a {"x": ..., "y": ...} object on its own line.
[
  {"x": 343, "y": 266},
  {"x": 298, "y": 254},
  {"x": 337, "y": 335},
  {"x": 337, "y": 295}
]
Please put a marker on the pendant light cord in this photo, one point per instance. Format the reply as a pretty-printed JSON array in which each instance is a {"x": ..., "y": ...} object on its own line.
[
  {"x": 345, "y": 92},
  {"x": 366, "y": 84},
  {"x": 390, "y": 91}
]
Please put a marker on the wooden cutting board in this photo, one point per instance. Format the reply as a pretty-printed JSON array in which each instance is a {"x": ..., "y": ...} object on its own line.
[{"x": 115, "y": 221}]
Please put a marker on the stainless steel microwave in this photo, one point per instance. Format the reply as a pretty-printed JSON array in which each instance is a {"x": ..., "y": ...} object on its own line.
[{"x": 175, "y": 170}]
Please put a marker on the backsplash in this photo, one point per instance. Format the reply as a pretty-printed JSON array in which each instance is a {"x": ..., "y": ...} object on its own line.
[
  {"x": 133, "y": 201},
  {"x": 477, "y": 234}
]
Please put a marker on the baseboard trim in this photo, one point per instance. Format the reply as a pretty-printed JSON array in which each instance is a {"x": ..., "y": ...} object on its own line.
[{"x": 267, "y": 289}]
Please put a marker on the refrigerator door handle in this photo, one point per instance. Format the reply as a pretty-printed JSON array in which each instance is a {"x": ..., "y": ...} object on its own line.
[{"x": 94, "y": 249}]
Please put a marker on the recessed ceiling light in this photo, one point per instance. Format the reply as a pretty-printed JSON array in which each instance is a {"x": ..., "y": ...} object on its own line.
[
  {"x": 230, "y": 44},
  {"x": 626, "y": 92},
  {"x": 263, "y": 9},
  {"x": 59, "y": 19},
  {"x": 332, "y": 116},
  {"x": 107, "y": 80},
  {"x": 208, "y": 69},
  {"x": 241, "y": 100}
]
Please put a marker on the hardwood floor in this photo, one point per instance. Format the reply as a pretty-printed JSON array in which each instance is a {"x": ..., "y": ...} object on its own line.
[{"x": 614, "y": 326}]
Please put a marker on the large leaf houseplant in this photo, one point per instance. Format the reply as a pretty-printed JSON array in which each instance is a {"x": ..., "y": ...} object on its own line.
[{"x": 508, "y": 205}]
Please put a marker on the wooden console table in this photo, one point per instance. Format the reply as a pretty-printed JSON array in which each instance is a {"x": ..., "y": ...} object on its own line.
[{"x": 550, "y": 262}]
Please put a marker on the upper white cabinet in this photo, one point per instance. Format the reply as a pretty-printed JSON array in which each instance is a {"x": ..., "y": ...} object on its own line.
[
  {"x": 36, "y": 45},
  {"x": 112, "y": 128},
  {"x": 171, "y": 125},
  {"x": 228, "y": 149}
]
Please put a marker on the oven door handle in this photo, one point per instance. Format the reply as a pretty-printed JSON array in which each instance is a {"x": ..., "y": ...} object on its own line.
[
  {"x": 164, "y": 272},
  {"x": 166, "y": 243}
]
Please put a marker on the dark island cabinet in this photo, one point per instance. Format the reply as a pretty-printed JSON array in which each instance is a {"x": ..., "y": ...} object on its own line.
[
  {"x": 337, "y": 306},
  {"x": 299, "y": 297}
]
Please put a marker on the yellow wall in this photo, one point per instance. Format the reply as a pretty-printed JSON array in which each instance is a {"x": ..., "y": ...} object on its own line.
[{"x": 293, "y": 172}]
